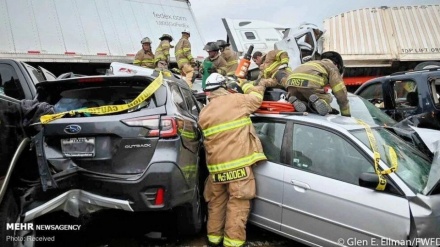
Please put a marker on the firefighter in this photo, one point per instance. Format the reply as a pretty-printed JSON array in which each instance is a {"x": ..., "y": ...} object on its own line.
[
  {"x": 145, "y": 57},
  {"x": 232, "y": 147},
  {"x": 219, "y": 64},
  {"x": 230, "y": 57},
  {"x": 185, "y": 60},
  {"x": 274, "y": 68},
  {"x": 306, "y": 85},
  {"x": 257, "y": 57},
  {"x": 162, "y": 54}
]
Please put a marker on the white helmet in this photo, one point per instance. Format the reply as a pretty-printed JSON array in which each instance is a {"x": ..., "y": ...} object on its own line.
[
  {"x": 214, "y": 81},
  {"x": 145, "y": 40},
  {"x": 186, "y": 30}
]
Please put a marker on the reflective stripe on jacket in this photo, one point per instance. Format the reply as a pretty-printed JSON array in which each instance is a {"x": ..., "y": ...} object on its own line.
[
  {"x": 317, "y": 74},
  {"x": 230, "y": 138},
  {"x": 144, "y": 59},
  {"x": 183, "y": 52},
  {"x": 273, "y": 61}
]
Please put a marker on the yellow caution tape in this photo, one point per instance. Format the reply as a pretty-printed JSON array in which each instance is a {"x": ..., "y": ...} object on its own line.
[
  {"x": 376, "y": 155},
  {"x": 108, "y": 109}
]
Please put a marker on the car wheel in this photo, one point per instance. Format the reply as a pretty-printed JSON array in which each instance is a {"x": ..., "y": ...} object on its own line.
[
  {"x": 190, "y": 217},
  {"x": 8, "y": 214}
]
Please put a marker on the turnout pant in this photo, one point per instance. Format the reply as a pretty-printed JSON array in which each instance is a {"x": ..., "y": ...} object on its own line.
[
  {"x": 303, "y": 93},
  {"x": 228, "y": 209},
  {"x": 188, "y": 72}
]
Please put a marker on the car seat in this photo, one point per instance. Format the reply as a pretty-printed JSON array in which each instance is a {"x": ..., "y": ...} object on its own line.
[
  {"x": 10, "y": 89},
  {"x": 412, "y": 98},
  {"x": 266, "y": 137}
]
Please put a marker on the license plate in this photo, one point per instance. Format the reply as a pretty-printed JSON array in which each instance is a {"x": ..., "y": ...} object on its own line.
[{"x": 78, "y": 147}]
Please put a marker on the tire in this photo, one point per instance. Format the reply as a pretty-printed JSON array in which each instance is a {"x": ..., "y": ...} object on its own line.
[
  {"x": 8, "y": 214},
  {"x": 190, "y": 217},
  {"x": 427, "y": 65}
]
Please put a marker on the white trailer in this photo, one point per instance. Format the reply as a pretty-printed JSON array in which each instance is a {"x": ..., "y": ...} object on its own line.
[{"x": 91, "y": 31}]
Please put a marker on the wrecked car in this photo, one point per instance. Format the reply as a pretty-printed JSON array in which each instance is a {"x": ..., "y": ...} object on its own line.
[
  {"x": 112, "y": 143},
  {"x": 321, "y": 185},
  {"x": 412, "y": 97}
]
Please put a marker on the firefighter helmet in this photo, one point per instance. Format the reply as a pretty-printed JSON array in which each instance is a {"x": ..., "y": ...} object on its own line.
[
  {"x": 211, "y": 46},
  {"x": 166, "y": 36},
  {"x": 215, "y": 81},
  {"x": 336, "y": 59},
  {"x": 221, "y": 43},
  {"x": 145, "y": 40},
  {"x": 186, "y": 30},
  {"x": 234, "y": 87}
]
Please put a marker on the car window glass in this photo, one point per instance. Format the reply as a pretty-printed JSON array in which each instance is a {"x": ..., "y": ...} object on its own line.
[
  {"x": 373, "y": 93},
  {"x": 178, "y": 98},
  {"x": 327, "y": 154},
  {"x": 405, "y": 94},
  {"x": 271, "y": 137},
  {"x": 191, "y": 104},
  {"x": 101, "y": 96},
  {"x": 435, "y": 89},
  {"x": 9, "y": 83}
]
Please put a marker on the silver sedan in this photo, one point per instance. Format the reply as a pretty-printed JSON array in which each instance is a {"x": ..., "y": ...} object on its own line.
[{"x": 320, "y": 185}]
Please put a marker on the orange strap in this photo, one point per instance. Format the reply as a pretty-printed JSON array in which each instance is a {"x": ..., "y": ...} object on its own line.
[{"x": 275, "y": 107}]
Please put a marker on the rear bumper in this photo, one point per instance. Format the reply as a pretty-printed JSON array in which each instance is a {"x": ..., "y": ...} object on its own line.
[
  {"x": 115, "y": 193},
  {"x": 77, "y": 202}
]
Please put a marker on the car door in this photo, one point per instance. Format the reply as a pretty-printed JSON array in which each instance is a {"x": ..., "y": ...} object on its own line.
[
  {"x": 10, "y": 132},
  {"x": 322, "y": 201},
  {"x": 266, "y": 210}
]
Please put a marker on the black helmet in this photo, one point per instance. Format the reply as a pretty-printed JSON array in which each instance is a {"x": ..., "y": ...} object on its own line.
[
  {"x": 166, "y": 36},
  {"x": 211, "y": 46},
  {"x": 336, "y": 59},
  {"x": 221, "y": 43},
  {"x": 233, "y": 86}
]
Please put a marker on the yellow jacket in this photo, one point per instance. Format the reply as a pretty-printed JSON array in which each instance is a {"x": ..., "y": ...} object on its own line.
[
  {"x": 231, "y": 59},
  {"x": 144, "y": 59},
  {"x": 318, "y": 74},
  {"x": 230, "y": 138},
  {"x": 183, "y": 52},
  {"x": 163, "y": 51}
]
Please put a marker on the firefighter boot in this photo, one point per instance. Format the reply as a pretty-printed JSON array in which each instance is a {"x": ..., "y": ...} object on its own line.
[
  {"x": 320, "y": 105},
  {"x": 298, "y": 104}
]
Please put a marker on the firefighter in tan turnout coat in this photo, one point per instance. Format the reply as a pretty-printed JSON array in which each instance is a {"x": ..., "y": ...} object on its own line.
[
  {"x": 185, "y": 60},
  {"x": 230, "y": 57},
  {"x": 162, "y": 54},
  {"x": 145, "y": 57},
  {"x": 232, "y": 147},
  {"x": 306, "y": 84}
]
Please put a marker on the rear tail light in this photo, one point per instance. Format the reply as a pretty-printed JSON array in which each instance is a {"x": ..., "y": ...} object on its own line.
[
  {"x": 166, "y": 128},
  {"x": 158, "y": 201}
]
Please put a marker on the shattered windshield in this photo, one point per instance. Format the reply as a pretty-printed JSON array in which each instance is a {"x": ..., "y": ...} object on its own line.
[
  {"x": 362, "y": 109},
  {"x": 413, "y": 166},
  {"x": 100, "y": 96}
]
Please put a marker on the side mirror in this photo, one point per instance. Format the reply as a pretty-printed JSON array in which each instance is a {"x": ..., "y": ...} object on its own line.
[{"x": 369, "y": 180}]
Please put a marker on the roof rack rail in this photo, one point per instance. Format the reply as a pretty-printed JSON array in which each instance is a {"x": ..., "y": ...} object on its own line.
[{"x": 412, "y": 71}]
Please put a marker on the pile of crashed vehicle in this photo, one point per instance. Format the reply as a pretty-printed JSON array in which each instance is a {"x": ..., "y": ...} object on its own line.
[{"x": 318, "y": 184}]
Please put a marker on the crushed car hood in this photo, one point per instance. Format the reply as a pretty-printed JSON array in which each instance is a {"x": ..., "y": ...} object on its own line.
[{"x": 431, "y": 138}]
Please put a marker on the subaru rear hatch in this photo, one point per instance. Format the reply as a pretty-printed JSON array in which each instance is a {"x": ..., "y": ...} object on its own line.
[{"x": 114, "y": 143}]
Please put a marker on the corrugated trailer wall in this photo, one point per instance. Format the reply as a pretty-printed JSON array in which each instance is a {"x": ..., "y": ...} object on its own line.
[
  {"x": 90, "y": 30},
  {"x": 374, "y": 37}
]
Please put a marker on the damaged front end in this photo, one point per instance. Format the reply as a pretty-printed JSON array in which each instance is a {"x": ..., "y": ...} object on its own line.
[{"x": 425, "y": 206}]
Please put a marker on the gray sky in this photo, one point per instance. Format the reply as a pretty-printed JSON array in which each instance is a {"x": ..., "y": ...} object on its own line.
[{"x": 285, "y": 12}]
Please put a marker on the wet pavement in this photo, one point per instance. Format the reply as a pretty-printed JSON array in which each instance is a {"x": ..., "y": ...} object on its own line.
[{"x": 115, "y": 229}]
